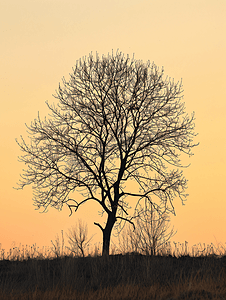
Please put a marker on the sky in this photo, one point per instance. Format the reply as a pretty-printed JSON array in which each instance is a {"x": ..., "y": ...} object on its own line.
[{"x": 40, "y": 43}]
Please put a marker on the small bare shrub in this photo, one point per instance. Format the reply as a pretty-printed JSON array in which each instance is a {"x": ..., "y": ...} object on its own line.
[
  {"x": 151, "y": 234},
  {"x": 78, "y": 238}
]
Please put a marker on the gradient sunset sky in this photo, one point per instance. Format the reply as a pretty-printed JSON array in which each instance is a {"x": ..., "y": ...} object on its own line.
[{"x": 40, "y": 43}]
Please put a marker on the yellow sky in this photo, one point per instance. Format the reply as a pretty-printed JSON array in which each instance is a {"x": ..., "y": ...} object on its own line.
[{"x": 40, "y": 42}]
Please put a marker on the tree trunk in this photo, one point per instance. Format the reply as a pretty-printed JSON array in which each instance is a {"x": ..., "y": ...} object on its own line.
[{"x": 107, "y": 233}]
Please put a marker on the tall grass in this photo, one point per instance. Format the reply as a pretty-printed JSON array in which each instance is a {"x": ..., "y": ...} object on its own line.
[
  {"x": 176, "y": 272},
  {"x": 176, "y": 249}
]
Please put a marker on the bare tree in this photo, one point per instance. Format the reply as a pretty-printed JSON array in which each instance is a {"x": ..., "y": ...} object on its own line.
[
  {"x": 117, "y": 120},
  {"x": 151, "y": 233},
  {"x": 78, "y": 238}
]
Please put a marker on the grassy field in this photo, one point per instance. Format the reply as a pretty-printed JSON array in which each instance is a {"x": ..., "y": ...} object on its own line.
[{"x": 28, "y": 274}]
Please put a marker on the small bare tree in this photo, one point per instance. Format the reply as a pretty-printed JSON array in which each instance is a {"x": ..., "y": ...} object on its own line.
[
  {"x": 151, "y": 232},
  {"x": 78, "y": 238}
]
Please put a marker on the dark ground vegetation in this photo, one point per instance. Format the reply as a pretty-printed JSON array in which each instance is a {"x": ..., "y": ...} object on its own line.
[{"x": 130, "y": 276}]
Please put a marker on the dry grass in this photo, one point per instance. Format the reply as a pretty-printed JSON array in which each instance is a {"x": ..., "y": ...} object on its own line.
[
  {"x": 28, "y": 273},
  {"x": 191, "y": 289},
  {"x": 114, "y": 277}
]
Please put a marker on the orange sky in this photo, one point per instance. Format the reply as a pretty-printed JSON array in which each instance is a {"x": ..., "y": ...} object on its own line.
[{"x": 40, "y": 42}]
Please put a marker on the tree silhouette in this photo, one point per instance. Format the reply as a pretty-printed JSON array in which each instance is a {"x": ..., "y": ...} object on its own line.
[
  {"x": 151, "y": 233},
  {"x": 78, "y": 238},
  {"x": 116, "y": 120}
]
